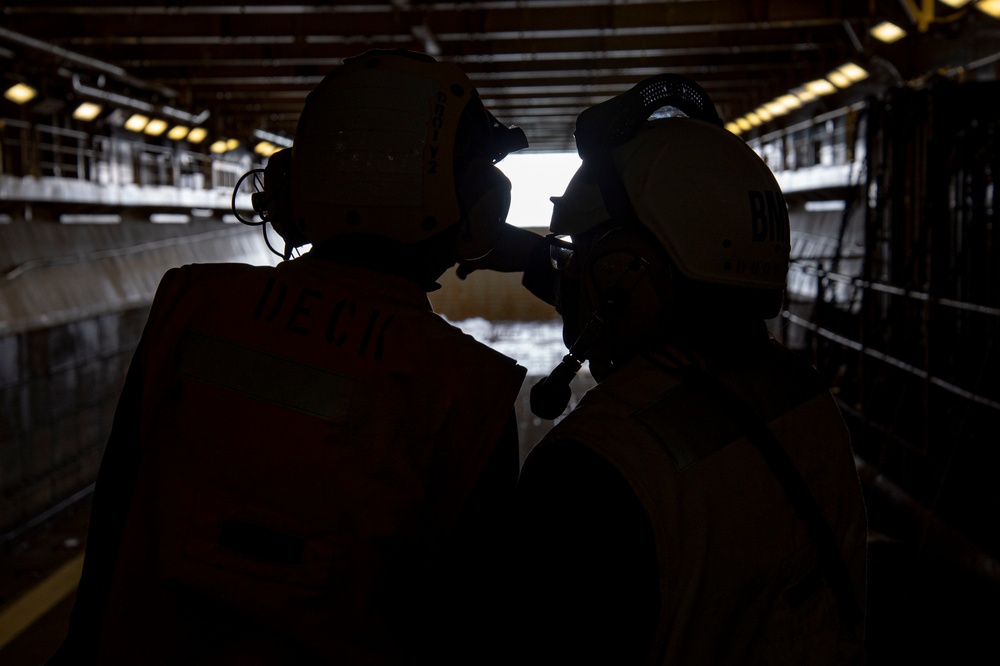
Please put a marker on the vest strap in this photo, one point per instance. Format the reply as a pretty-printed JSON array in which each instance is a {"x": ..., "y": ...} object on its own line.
[{"x": 784, "y": 470}]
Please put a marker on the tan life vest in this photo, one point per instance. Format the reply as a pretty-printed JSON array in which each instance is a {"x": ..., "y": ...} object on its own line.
[
  {"x": 740, "y": 581},
  {"x": 308, "y": 433}
]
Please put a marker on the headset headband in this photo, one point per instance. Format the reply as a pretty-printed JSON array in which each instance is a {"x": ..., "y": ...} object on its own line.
[{"x": 613, "y": 122}]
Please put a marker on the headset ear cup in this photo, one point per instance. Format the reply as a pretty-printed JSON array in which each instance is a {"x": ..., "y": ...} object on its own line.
[
  {"x": 278, "y": 197},
  {"x": 638, "y": 303},
  {"x": 484, "y": 200},
  {"x": 609, "y": 269}
]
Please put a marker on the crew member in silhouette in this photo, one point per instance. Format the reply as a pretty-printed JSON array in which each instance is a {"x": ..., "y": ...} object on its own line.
[
  {"x": 307, "y": 463},
  {"x": 701, "y": 504}
]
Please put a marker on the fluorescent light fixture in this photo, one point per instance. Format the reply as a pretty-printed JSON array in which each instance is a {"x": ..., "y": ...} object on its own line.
[
  {"x": 753, "y": 119},
  {"x": 90, "y": 218},
  {"x": 265, "y": 148},
  {"x": 763, "y": 113},
  {"x": 955, "y": 3},
  {"x": 177, "y": 132},
  {"x": 197, "y": 135},
  {"x": 276, "y": 139},
  {"x": 887, "y": 32},
  {"x": 744, "y": 124},
  {"x": 821, "y": 87},
  {"x": 232, "y": 144},
  {"x": 734, "y": 128},
  {"x": 20, "y": 93},
  {"x": 990, "y": 7},
  {"x": 776, "y": 108},
  {"x": 825, "y": 205},
  {"x": 87, "y": 111},
  {"x": 789, "y": 102},
  {"x": 169, "y": 218},
  {"x": 136, "y": 122},
  {"x": 839, "y": 79},
  {"x": 155, "y": 127},
  {"x": 853, "y": 72},
  {"x": 218, "y": 147},
  {"x": 804, "y": 95}
]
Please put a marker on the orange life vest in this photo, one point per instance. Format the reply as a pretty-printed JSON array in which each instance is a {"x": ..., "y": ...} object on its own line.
[{"x": 308, "y": 433}]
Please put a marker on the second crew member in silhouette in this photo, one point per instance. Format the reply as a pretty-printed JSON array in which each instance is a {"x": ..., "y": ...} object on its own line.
[
  {"x": 700, "y": 505},
  {"x": 307, "y": 462}
]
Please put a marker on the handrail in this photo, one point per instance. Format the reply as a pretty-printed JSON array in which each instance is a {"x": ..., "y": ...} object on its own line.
[
  {"x": 891, "y": 360},
  {"x": 812, "y": 122},
  {"x": 894, "y": 290},
  {"x": 89, "y": 157}
]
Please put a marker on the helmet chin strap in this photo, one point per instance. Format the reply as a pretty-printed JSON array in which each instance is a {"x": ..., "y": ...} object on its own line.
[{"x": 550, "y": 395}]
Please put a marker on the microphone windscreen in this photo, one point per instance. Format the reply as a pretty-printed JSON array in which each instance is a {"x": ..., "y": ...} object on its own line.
[{"x": 549, "y": 398}]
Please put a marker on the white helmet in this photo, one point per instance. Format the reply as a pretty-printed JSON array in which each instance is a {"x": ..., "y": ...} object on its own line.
[
  {"x": 398, "y": 145},
  {"x": 658, "y": 157},
  {"x": 709, "y": 199}
]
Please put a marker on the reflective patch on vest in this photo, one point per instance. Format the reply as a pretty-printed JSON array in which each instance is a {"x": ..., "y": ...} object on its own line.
[
  {"x": 266, "y": 377},
  {"x": 688, "y": 425},
  {"x": 228, "y": 541}
]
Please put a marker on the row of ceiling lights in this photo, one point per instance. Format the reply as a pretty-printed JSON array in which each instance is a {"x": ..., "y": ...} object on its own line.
[
  {"x": 840, "y": 78},
  {"x": 991, "y": 7},
  {"x": 22, "y": 93},
  {"x": 889, "y": 32},
  {"x": 843, "y": 77}
]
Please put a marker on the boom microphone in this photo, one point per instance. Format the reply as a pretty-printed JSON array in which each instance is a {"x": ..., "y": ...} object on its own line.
[{"x": 550, "y": 395}]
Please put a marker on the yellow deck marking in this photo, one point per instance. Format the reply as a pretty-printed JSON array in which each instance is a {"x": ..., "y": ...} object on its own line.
[{"x": 26, "y": 610}]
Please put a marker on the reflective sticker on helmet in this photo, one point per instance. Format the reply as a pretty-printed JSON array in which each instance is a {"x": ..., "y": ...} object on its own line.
[
  {"x": 437, "y": 123},
  {"x": 768, "y": 216}
]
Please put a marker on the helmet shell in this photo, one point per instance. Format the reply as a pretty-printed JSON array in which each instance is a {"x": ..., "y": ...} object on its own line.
[
  {"x": 708, "y": 198},
  {"x": 374, "y": 149}
]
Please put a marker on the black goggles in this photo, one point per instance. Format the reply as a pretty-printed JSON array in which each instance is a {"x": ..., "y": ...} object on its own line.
[
  {"x": 560, "y": 250},
  {"x": 504, "y": 139}
]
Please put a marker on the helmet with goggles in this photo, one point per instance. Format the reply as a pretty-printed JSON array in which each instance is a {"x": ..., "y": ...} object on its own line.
[
  {"x": 657, "y": 157},
  {"x": 397, "y": 145},
  {"x": 658, "y": 154}
]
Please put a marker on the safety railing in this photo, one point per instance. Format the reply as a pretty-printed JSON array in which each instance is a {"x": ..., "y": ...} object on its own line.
[
  {"x": 32, "y": 150},
  {"x": 828, "y": 140}
]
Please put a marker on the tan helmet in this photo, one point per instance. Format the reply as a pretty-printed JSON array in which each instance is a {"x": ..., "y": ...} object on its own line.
[
  {"x": 658, "y": 157},
  {"x": 708, "y": 198},
  {"x": 378, "y": 144}
]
